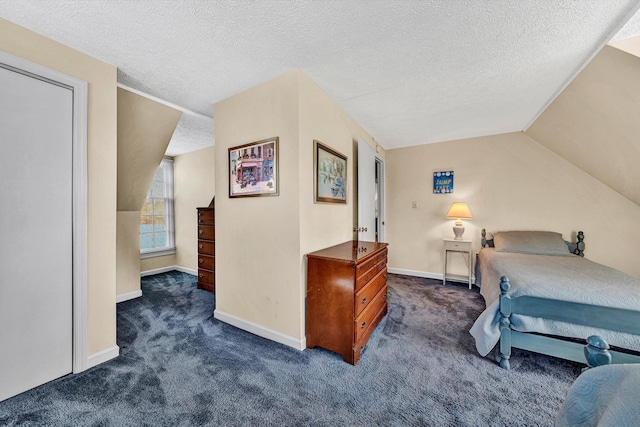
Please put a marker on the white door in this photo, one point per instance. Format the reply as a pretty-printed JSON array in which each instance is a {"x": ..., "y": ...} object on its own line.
[
  {"x": 35, "y": 232},
  {"x": 370, "y": 194}
]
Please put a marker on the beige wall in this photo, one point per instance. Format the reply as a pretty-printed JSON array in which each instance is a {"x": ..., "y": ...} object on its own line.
[
  {"x": 258, "y": 238},
  {"x": 261, "y": 241},
  {"x": 144, "y": 131},
  {"x": 127, "y": 252},
  {"x": 194, "y": 187},
  {"x": 156, "y": 262},
  {"x": 510, "y": 182},
  {"x": 594, "y": 122},
  {"x": 101, "y": 221}
]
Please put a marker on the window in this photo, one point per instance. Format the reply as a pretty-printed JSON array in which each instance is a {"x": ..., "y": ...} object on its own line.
[{"x": 156, "y": 217}]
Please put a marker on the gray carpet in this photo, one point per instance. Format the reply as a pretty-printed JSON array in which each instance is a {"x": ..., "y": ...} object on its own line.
[{"x": 181, "y": 367}]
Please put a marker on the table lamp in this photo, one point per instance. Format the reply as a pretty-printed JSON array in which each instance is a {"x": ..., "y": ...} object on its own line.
[{"x": 459, "y": 211}]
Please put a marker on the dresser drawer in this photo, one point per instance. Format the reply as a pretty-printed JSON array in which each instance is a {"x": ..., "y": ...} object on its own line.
[
  {"x": 205, "y": 217},
  {"x": 366, "y": 277},
  {"x": 383, "y": 256},
  {"x": 205, "y": 276},
  {"x": 206, "y": 232},
  {"x": 366, "y": 266},
  {"x": 206, "y": 247},
  {"x": 360, "y": 344},
  {"x": 366, "y": 319},
  {"x": 206, "y": 280},
  {"x": 207, "y": 262},
  {"x": 367, "y": 293},
  {"x": 382, "y": 259}
]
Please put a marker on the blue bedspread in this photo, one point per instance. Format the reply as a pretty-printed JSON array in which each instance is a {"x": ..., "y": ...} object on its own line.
[{"x": 603, "y": 396}]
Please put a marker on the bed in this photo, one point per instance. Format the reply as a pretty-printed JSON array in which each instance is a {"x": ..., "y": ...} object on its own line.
[
  {"x": 603, "y": 396},
  {"x": 541, "y": 294}
]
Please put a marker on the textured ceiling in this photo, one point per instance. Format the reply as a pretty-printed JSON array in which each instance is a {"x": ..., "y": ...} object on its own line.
[{"x": 411, "y": 71}]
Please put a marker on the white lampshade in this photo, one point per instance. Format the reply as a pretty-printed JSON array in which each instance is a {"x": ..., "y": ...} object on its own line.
[{"x": 459, "y": 211}]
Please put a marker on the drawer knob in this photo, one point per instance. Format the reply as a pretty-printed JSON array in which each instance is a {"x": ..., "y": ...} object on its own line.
[
  {"x": 363, "y": 325},
  {"x": 384, "y": 296},
  {"x": 366, "y": 266},
  {"x": 366, "y": 277},
  {"x": 200, "y": 260},
  {"x": 383, "y": 264},
  {"x": 200, "y": 246},
  {"x": 201, "y": 275},
  {"x": 363, "y": 300},
  {"x": 200, "y": 231},
  {"x": 385, "y": 276},
  {"x": 199, "y": 213}
]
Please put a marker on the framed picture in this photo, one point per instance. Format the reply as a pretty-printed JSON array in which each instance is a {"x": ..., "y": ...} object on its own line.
[
  {"x": 330, "y": 179},
  {"x": 443, "y": 182},
  {"x": 253, "y": 169}
]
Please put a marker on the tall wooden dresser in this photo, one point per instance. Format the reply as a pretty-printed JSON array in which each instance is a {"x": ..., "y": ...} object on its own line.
[
  {"x": 346, "y": 296},
  {"x": 206, "y": 248}
]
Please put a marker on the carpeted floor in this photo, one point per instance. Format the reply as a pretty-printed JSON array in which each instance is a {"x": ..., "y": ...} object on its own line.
[{"x": 181, "y": 367}]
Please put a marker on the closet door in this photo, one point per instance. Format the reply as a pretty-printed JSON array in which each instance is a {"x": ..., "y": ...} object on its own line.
[{"x": 35, "y": 231}]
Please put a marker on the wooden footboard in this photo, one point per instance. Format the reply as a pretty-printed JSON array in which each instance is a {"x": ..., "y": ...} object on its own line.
[{"x": 596, "y": 352}]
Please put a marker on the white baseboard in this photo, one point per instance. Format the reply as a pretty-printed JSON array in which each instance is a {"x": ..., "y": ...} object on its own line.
[
  {"x": 426, "y": 274},
  {"x": 185, "y": 270},
  {"x": 128, "y": 296},
  {"x": 103, "y": 356},
  {"x": 261, "y": 331},
  {"x": 415, "y": 273},
  {"x": 166, "y": 269},
  {"x": 157, "y": 271}
]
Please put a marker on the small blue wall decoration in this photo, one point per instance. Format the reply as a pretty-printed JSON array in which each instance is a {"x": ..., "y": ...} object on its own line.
[{"x": 443, "y": 182}]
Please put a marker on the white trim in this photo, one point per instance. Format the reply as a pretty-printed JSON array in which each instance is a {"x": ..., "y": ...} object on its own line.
[
  {"x": 259, "y": 330},
  {"x": 157, "y": 271},
  {"x": 428, "y": 275},
  {"x": 156, "y": 253},
  {"x": 415, "y": 273},
  {"x": 79, "y": 189},
  {"x": 103, "y": 356},
  {"x": 185, "y": 270},
  {"x": 128, "y": 296},
  {"x": 167, "y": 269},
  {"x": 382, "y": 215},
  {"x": 162, "y": 101}
]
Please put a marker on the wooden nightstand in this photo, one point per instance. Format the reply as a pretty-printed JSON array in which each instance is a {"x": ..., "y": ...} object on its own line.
[{"x": 462, "y": 246}]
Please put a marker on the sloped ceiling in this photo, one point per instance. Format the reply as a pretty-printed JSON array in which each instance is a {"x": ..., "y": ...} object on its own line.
[
  {"x": 411, "y": 72},
  {"x": 144, "y": 131},
  {"x": 594, "y": 122}
]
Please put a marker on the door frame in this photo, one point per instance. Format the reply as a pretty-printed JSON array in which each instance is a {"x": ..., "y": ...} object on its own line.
[
  {"x": 79, "y": 89},
  {"x": 378, "y": 160},
  {"x": 382, "y": 187}
]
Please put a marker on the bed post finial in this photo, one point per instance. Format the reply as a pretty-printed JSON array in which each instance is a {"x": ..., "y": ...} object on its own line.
[
  {"x": 579, "y": 244},
  {"x": 597, "y": 352},
  {"x": 505, "y": 323}
]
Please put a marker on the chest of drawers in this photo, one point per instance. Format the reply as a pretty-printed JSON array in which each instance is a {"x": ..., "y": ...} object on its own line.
[
  {"x": 346, "y": 296},
  {"x": 206, "y": 249}
]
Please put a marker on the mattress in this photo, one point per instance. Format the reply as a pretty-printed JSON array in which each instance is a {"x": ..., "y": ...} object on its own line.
[{"x": 566, "y": 278}]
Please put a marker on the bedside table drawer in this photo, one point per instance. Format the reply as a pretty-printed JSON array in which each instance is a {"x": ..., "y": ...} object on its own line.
[{"x": 453, "y": 245}]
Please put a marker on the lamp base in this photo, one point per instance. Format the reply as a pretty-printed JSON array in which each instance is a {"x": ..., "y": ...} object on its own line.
[{"x": 458, "y": 230}]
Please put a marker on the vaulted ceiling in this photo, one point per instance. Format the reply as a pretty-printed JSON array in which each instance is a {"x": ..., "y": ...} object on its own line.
[{"x": 411, "y": 72}]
